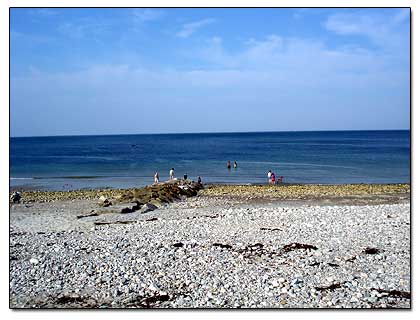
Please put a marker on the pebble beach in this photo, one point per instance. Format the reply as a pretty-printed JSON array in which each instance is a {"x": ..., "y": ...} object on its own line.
[{"x": 228, "y": 246}]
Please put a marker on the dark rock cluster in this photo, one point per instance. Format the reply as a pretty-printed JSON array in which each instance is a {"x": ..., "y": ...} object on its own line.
[{"x": 148, "y": 198}]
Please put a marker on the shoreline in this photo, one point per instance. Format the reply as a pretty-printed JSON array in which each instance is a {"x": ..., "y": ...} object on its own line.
[{"x": 245, "y": 192}]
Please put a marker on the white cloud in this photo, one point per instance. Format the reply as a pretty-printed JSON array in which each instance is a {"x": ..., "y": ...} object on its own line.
[
  {"x": 44, "y": 12},
  {"x": 84, "y": 28},
  {"x": 383, "y": 30},
  {"x": 145, "y": 15},
  {"x": 189, "y": 28}
]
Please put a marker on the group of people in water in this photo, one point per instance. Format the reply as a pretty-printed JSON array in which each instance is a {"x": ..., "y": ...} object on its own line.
[
  {"x": 270, "y": 175},
  {"x": 272, "y": 178},
  {"x": 235, "y": 164},
  {"x": 172, "y": 176}
]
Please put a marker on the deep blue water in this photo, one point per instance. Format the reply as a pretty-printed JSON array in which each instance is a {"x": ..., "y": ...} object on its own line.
[{"x": 329, "y": 157}]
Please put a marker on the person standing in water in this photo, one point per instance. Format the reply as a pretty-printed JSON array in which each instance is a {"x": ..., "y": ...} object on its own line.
[
  {"x": 269, "y": 176},
  {"x": 235, "y": 164},
  {"x": 171, "y": 174},
  {"x": 273, "y": 178},
  {"x": 228, "y": 164},
  {"x": 156, "y": 177},
  {"x": 199, "y": 180}
]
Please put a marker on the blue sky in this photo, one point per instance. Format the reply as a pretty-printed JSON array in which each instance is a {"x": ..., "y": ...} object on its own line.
[{"x": 110, "y": 71}]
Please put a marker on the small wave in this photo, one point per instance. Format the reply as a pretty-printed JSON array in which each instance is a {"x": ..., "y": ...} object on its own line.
[
  {"x": 70, "y": 177},
  {"x": 298, "y": 164},
  {"x": 89, "y": 177},
  {"x": 15, "y": 178}
]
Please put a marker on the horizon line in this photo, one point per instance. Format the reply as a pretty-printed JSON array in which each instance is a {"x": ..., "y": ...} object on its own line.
[{"x": 206, "y": 132}]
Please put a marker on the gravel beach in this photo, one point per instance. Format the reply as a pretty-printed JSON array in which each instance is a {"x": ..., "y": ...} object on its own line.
[{"x": 228, "y": 247}]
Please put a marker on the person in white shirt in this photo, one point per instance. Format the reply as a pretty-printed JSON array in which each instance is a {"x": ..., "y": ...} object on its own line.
[
  {"x": 156, "y": 177},
  {"x": 171, "y": 174},
  {"x": 269, "y": 176}
]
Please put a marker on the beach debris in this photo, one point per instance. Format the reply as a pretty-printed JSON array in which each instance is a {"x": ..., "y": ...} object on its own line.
[
  {"x": 252, "y": 250},
  {"x": 351, "y": 259},
  {"x": 371, "y": 251},
  {"x": 101, "y": 223},
  {"x": 254, "y": 247},
  {"x": 178, "y": 245},
  {"x": 223, "y": 246},
  {"x": 270, "y": 229},
  {"x": 212, "y": 217},
  {"x": 34, "y": 260},
  {"x": 148, "y": 302},
  {"x": 92, "y": 213},
  {"x": 297, "y": 246},
  {"x": 16, "y": 197},
  {"x": 330, "y": 287},
  {"x": 152, "y": 219},
  {"x": 394, "y": 293},
  {"x": 206, "y": 216},
  {"x": 314, "y": 264},
  {"x": 14, "y": 234},
  {"x": 333, "y": 265},
  {"x": 69, "y": 298}
]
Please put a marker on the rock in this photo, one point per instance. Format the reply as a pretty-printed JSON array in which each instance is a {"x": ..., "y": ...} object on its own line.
[
  {"x": 104, "y": 201},
  {"x": 156, "y": 202},
  {"x": 34, "y": 261},
  {"x": 147, "y": 207},
  {"x": 16, "y": 197},
  {"x": 119, "y": 208}
]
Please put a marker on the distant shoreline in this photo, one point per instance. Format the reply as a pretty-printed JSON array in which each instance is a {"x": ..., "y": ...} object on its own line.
[{"x": 198, "y": 133}]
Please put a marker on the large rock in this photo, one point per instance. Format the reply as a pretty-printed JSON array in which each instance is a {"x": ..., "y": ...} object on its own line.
[{"x": 156, "y": 195}]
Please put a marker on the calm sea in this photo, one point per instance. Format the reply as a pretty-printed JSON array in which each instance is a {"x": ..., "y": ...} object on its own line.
[{"x": 329, "y": 157}]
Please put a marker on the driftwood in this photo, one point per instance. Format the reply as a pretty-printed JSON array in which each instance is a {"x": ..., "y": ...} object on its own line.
[
  {"x": 101, "y": 223},
  {"x": 395, "y": 293},
  {"x": 330, "y": 287}
]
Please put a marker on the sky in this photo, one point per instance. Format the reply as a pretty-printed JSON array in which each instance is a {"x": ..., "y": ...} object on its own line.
[{"x": 127, "y": 71}]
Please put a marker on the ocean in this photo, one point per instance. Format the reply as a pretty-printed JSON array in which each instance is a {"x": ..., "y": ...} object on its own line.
[{"x": 123, "y": 161}]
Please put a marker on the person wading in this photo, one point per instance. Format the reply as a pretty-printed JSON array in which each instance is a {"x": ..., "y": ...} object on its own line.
[{"x": 269, "y": 176}]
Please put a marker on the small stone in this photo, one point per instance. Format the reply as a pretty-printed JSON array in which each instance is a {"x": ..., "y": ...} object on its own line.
[{"x": 34, "y": 261}]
